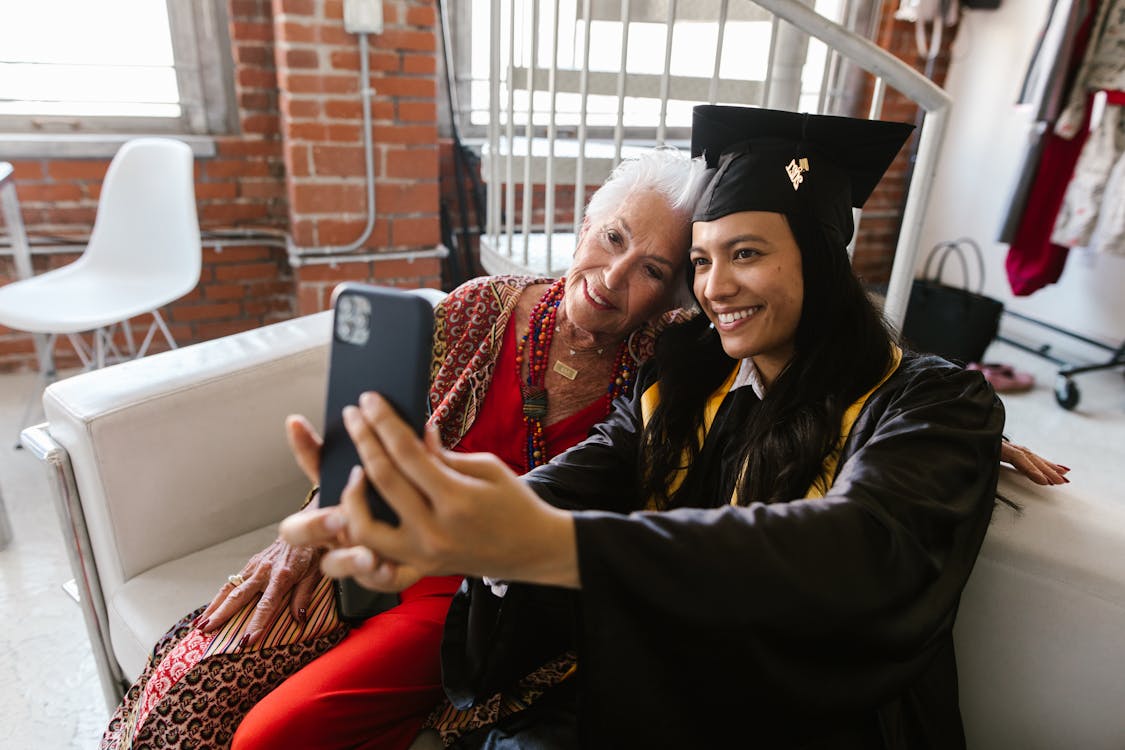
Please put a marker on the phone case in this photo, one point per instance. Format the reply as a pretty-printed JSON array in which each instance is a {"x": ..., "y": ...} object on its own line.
[{"x": 381, "y": 341}]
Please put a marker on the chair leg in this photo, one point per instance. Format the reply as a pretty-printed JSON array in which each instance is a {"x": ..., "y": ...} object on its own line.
[
  {"x": 84, "y": 352},
  {"x": 157, "y": 323},
  {"x": 99, "y": 348},
  {"x": 128, "y": 331},
  {"x": 44, "y": 353},
  {"x": 159, "y": 319}
]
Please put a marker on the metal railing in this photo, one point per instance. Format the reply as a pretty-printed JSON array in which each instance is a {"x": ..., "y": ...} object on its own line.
[{"x": 529, "y": 135}]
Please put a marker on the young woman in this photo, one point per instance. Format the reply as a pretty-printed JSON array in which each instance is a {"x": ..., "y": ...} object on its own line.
[{"x": 776, "y": 527}]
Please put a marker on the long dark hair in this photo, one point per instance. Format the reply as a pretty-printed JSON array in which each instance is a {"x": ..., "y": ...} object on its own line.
[{"x": 842, "y": 348}]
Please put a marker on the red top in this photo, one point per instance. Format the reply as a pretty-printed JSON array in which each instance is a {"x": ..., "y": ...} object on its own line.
[{"x": 499, "y": 427}]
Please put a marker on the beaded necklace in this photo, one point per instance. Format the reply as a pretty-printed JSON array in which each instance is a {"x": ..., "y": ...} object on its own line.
[{"x": 540, "y": 330}]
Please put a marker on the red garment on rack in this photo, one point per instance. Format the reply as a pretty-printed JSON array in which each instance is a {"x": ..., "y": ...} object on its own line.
[{"x": 1033, "y": 260}]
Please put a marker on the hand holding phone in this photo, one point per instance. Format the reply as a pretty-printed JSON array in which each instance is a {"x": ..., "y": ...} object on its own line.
[{"x": 382, "y": 340}]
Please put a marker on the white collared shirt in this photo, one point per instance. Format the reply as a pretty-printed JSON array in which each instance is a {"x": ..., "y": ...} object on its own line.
[{"x": 748, "y": 375}]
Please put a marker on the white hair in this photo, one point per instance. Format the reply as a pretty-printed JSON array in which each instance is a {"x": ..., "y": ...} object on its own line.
[{"x": 665, "y": 169}]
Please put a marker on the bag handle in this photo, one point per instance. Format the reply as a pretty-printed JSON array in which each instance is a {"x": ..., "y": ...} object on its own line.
[{"x": 942, "y": 250}]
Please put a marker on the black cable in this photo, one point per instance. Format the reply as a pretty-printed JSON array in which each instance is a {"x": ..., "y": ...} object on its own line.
[{"x": 460, "y": 162}]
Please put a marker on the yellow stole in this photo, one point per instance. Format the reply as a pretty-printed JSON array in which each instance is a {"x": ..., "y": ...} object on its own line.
[{"x": 651, "y": 398}]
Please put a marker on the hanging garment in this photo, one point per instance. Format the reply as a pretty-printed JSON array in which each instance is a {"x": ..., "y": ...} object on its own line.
[
  {"x": 1103, "y": 66},
  {"x": 1033, "y": 260},
  {"x": 1049, "y": 76},
  {"x": 1088, "y": 216}
]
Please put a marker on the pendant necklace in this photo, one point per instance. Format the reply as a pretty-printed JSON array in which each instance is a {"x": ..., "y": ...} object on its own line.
[{"x": 536, "y": 347}]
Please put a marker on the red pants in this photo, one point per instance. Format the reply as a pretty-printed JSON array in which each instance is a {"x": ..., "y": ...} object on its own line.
[{"x": 372, "y": 690}]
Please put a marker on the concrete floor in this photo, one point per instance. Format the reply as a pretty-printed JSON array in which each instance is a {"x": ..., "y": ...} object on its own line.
[{"x": 49, "y": 697}]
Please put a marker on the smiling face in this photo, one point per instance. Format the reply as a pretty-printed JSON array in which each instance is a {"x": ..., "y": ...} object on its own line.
[
  {"x": 627, "y": 267},
  {"x": 749, "y": 283}
]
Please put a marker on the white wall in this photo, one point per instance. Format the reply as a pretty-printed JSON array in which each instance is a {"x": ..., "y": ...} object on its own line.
[{"x": 983, "y": 153}]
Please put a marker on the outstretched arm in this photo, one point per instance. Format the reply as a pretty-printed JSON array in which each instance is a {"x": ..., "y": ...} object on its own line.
[{"x": 459, "y": 513}]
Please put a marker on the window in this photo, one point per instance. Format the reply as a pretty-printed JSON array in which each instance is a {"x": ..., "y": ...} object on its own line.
[
  {"x": 114, "y": 66},
  {"x": 695, "y": 35}
]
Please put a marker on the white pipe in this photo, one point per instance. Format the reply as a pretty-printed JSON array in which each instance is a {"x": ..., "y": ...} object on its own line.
[
  {"x": 775, "y": 26},
  {"x": 913, "y": 213},
  {"x": 529, "y": 130},
  {"x": 493, "y": 197},
  {"x": 509, "y": 133},
  {"x": 713, "y": 91},
  {"x": 619, "y": 128},
  {"x": 666, "y": 78},
  {"x": 584, "y": 95},
  {"x": 552, "y": 133},
  {"x": 368, "y": 152},
  {"x": 441, "y": 251}
]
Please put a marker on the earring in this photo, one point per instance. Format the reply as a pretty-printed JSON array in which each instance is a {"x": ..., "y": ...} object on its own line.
[{"x": 711, "y": 326}]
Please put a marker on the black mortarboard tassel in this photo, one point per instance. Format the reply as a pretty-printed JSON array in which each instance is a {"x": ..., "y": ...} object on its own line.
[{"x": 818, "y": 166}]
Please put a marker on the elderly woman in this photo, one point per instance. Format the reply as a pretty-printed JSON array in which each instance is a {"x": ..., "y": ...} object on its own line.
[{"x": 788, "y": 503}]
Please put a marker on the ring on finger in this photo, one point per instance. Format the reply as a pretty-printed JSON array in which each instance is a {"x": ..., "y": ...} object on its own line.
[{"x": 236, "y": 579}]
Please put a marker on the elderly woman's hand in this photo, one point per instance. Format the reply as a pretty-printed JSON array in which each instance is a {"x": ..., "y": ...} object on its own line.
[
  {"x": 459, "y": 513},
  {"x": 280, "y": 567},
  {"x": 274, "y": 572},
  {"x": 1033, "y": 466}
]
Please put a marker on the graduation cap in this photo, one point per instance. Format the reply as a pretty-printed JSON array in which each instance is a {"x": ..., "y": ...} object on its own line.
[{"x": 768, "y": 160}]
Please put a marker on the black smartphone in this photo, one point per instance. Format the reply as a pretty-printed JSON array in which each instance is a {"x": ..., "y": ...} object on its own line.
[{"x": 381, "y": 341}]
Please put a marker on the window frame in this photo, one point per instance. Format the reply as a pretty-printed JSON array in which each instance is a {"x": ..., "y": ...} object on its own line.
[{"x": 204, "y": 69}]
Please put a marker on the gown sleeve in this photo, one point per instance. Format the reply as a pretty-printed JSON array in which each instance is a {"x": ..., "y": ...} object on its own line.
[{"x": 823, "y": 610}]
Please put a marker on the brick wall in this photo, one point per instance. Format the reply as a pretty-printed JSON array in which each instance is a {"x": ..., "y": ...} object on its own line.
[
  {"x": 296, "y": 165},
  {"x": 318, "y": 68}
]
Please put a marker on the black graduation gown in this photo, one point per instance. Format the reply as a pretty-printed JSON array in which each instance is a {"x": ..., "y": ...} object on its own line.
[{"x": 805, "y": 624}]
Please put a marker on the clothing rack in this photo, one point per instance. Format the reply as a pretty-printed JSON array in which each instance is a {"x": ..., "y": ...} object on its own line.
[{"x": 1066, "y": 392}]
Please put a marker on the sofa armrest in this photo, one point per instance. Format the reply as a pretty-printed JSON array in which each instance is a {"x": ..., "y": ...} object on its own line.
[
  {"x": 1041, "y": 622},
  {"x": 181, "y": 450}
]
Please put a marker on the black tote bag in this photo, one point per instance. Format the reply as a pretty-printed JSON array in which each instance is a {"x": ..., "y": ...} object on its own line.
[{"x": 952, "y": 321}]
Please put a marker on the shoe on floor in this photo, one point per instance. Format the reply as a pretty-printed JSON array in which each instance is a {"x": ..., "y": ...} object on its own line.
[{"x": 1004, "y": 378}]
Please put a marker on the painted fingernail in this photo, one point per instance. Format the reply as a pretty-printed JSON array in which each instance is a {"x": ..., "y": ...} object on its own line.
[
  {"x": 302, "y": 615},
  {"x": 1067, "y": 481},
  {"x": 195, "y": 622},
  {"x": 203, "y": 625},
  {"x": 1064, "y": 468},
  {"x": 243, "y": 642}
]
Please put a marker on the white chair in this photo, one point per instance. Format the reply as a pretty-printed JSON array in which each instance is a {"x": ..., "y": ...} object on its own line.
[{"x": 144, "y": 252}]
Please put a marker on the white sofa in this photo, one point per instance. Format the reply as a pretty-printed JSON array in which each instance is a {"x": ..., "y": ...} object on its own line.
[{"x": 170, "y": 471}]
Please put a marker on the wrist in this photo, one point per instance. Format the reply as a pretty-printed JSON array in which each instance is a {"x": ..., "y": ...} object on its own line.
[{"x": 552, "y": 552}]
